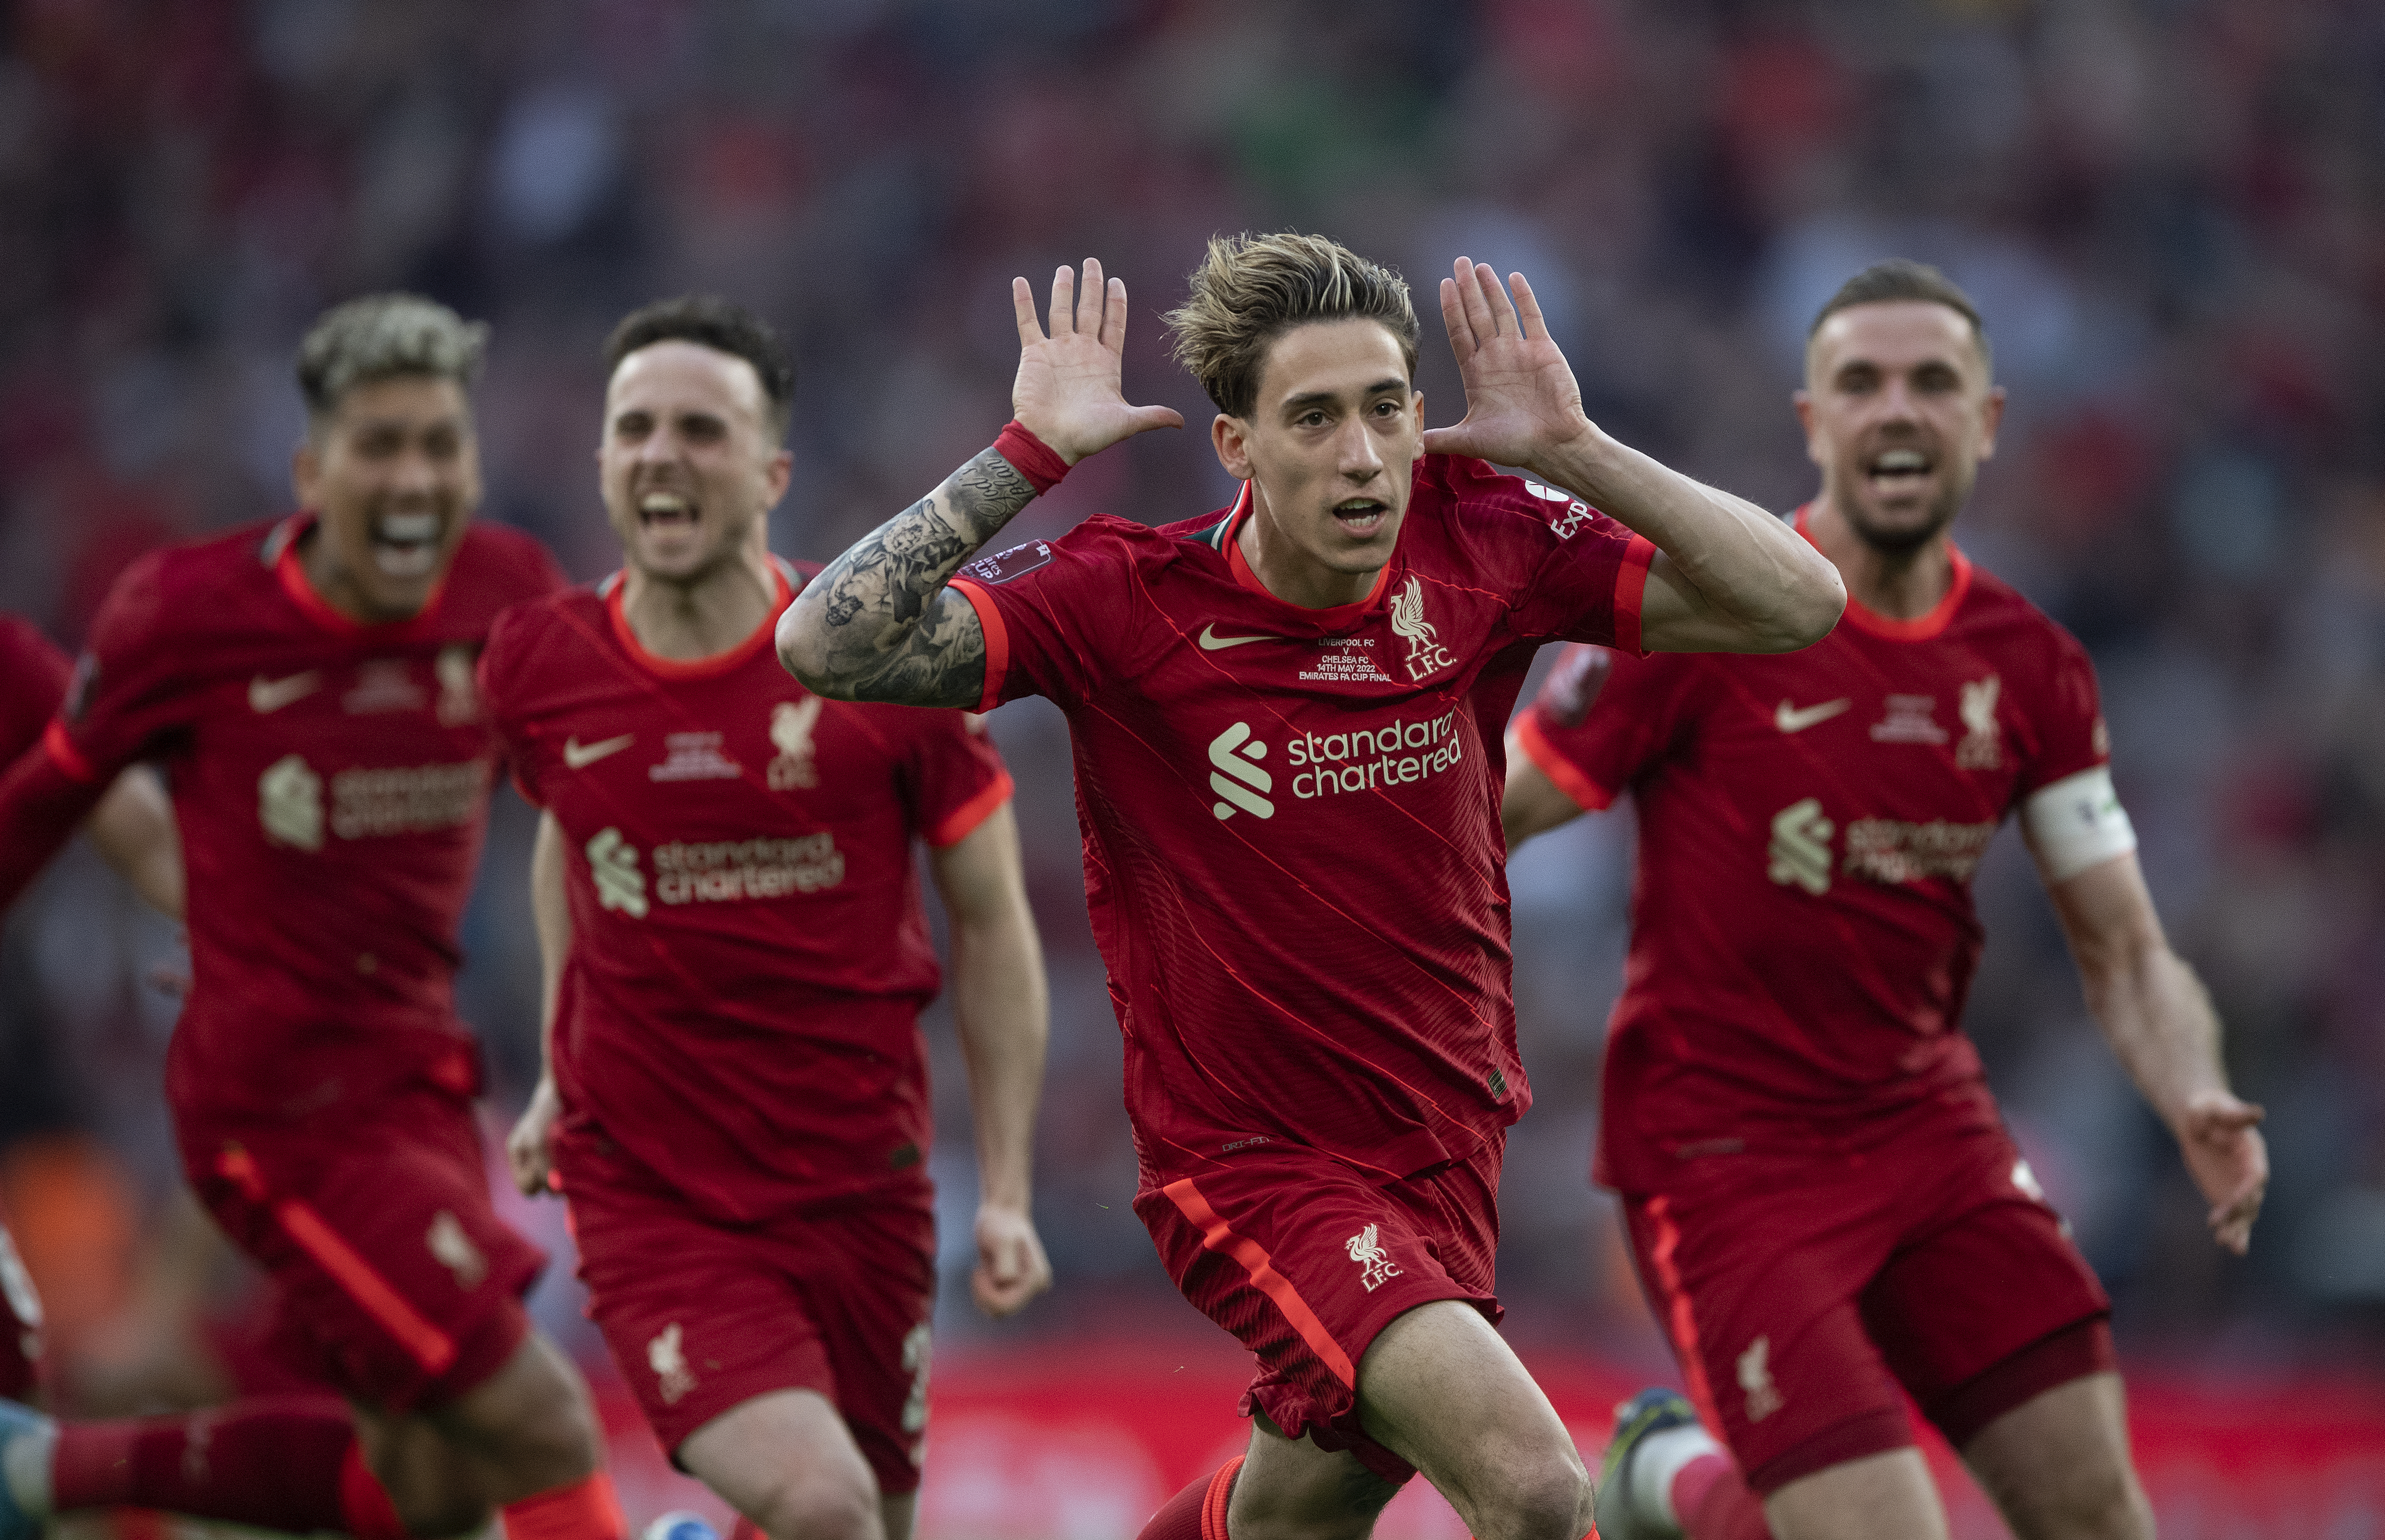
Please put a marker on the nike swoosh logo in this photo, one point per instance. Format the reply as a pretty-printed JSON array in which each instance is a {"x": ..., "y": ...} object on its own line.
[
  {"x": 1211, "y": 641},
  {"x": 1792, "y": 720},
  {"x": 270, "y": 695},
  {"x": 580, "y": 756}
]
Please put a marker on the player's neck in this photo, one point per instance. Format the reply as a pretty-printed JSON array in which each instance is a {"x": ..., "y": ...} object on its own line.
[
  {"x": 1291, "y": 575},
  {"x": 688, "y": 619},
  {"x": 1895, "y": 585}
]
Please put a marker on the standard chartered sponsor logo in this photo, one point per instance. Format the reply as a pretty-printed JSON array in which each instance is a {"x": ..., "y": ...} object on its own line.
[
  {"x": 289, "y": 803},
  {"x": 726, "y": 870},
  {"x": 720, "y": 871},
  {"x": 1232, "y": 751},
  {"x": 1890, "y": 850},
  {"x": 366, "y": 803},
  {"x": 1371, "y": 758},
  {"x": 1801, "y": 847},
  {"x": 613, "y": 863},
  {"x": 1886, "y": 850}
]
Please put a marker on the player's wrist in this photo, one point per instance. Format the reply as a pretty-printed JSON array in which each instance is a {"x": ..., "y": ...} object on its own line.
[
  {"x": 1043, "y": 465},
  {"x": 1573, "y": 456}
]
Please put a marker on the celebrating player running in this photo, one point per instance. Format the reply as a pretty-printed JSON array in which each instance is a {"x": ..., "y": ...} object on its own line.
[
  {"x": 1821, "y": 1197},
  {"x": 1285, "y": 720},
  {"x": 309, "y": 680},
  {"x": 736, "y": 957}
]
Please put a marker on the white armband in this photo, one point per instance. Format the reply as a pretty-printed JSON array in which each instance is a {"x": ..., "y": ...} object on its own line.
[{"x": 2076, "y": 823}]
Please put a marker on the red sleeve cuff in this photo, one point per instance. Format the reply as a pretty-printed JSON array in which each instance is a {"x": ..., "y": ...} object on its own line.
[
  {"x": 1630, "y": 589},
  {"x": 965, "y": 819},
  {"x": 997, "y": 641},
  {"x": 64, "y": 755},
  {"x": 1587, "y": 794}
]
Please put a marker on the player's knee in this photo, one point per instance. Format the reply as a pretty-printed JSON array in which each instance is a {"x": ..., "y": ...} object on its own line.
[
  {"x": 436, "y": 1506},
  {"x": 822, "y": 1505},
  {"x": 1544, "y": 1500}
]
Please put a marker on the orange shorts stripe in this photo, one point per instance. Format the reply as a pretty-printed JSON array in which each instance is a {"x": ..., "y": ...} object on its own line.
[
  {"x": 1215, "y": 1235},
  {"x": 430, "y": 1347},
  {"x": 1679, "y": 1320}
]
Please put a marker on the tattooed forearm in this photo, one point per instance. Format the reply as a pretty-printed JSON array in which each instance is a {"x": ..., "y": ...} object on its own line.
[{"x": 878, "y": 625}]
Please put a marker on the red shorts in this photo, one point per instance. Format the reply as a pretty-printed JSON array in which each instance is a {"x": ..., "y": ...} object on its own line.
[
  {"x": 1304, "y": 1259},
  {"x": 704, "y": 1317},
  {"x": 1800, "y": 1291},
  {"x": 21, "y": 1321},
  {"x": 396, "y": 1283}
]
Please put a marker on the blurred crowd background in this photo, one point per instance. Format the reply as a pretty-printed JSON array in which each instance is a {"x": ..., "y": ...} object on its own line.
[{"x": 2171, "y": 212}]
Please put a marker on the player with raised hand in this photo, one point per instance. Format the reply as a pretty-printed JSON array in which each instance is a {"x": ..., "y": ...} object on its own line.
[
  {"x": 1284, "y": 717},
  {"x": 1821, "y": 1195},
  {"x": 736, "y": 957},
  {"x": 308, "y": 681}
]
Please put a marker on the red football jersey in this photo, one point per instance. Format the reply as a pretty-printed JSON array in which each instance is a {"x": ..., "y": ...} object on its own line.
[
  {"x": 749, "y": 956},
  {"x": 1801, "y": 930},
  {"x": 331, "y": 783},
  {"x": 35, "y": 673},
  {"x": 1292, "y": 844}
]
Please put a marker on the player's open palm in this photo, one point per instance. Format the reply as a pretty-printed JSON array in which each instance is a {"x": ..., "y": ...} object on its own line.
[
  {"x": 1011, "y": 1267},
  {"x": 1520, "y": 395},
  {"x": 1068, "y": 391},
  {"x": 2221, "y": 1140}
]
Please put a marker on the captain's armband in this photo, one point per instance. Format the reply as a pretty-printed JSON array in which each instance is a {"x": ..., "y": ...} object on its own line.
[{"x": 2076, "y": 823}]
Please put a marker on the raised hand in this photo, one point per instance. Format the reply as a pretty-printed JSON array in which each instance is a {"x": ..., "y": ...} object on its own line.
[
  {"x": 1521, "y": 400},
  {"x": 1068, "y": 393},
  {"x": 2221, "y": 1140}
]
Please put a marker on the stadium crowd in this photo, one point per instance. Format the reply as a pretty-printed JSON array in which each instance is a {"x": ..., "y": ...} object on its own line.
[{"x": 2171, "y": 212}]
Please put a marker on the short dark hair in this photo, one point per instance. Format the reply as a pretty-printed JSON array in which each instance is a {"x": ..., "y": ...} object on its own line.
[
  {"x": 722, "y": 325},
  {"x": 1252, "y": 289},
  {"x": 383, "y": 337},
  {"x": 1901, "y": 277}
]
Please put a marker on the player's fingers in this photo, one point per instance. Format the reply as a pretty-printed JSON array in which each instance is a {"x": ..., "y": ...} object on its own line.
[
  {"x": 1090, "y": 295},
  {"x": 1114, "y": 316},
  {"x": 1479, "y": 318},
  {"x": 1494, "y": 300},
  {"x": 1452, "y": 318},
  {"x": 1148, "y": 417},
  {"x": 1527, "y": 306},
  {"x": 1063, "y": 315},
  {"x": 1022, "y": 304}
]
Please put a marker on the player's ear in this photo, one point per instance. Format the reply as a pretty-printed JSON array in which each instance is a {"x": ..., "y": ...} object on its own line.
[
  {"x": 306, "y": 473},
  {"x": 776, "y": 478},
  {"x": 1231, "y": 437},
  {"x": 1992, "y": 416},
  {"x": 1803, "y": 401}
]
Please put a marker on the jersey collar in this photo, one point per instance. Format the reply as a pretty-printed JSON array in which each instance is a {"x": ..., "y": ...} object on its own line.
[
  {"x": 280, "y": 553},
  {"x": 1333, "y": 616},
  {"x": 737, "y": 657},
  {"x": 1921, "y": 627}
]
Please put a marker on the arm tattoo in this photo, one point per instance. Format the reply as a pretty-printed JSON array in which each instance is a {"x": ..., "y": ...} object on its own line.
[{"x": 879, "y": 620}]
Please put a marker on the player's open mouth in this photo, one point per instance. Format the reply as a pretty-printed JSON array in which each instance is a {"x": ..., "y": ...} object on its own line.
[
  {"x": 666, "y": 509},
  {"x": 1360, "y": 516},
  {"x": 406, "y": 545},
  {"x": 1898, "y": 470}
]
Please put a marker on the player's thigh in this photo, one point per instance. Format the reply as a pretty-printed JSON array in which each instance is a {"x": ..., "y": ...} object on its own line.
[
  {"x": 1881, "y": 1497},
  {"x": 398, "y": 1283},
  {"x": 1440, "y": 1388},
  {"x": 1989, "y": 1303},
  {"x": 867, "y": 1273},
  {"x": 1289, "y": 1487},
  {"x": 1304, "y": 1260},
  {"x": 1755, "y": 1271},
  {"x": 785, "y": 1461},
  {"x": 2057, "y": 1465}
]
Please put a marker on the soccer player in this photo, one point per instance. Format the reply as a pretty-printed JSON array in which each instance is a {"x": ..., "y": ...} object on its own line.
[
  {"x": 1821, "y": 1199},
  {"x": 310, "y": 683},
  {"x": 133, "y": 829},
  {"x": 1285, "y": 725},
  {"x": 736, "y": 956}
]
